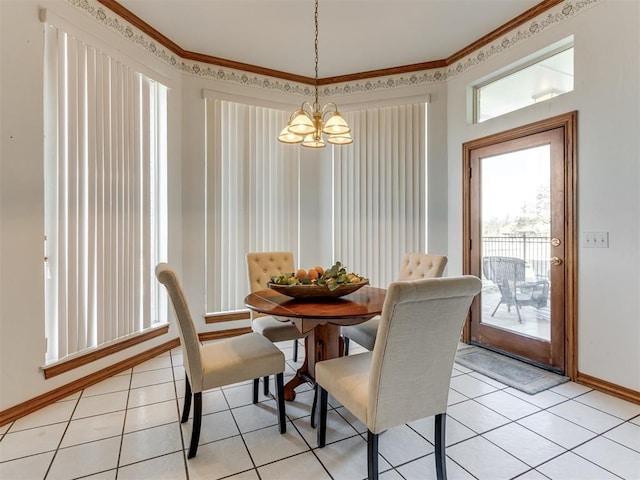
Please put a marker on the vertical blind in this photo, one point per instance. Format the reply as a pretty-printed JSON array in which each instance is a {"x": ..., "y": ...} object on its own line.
[
  {"x": 252, "y": 196},
  {"x": 105, "y": 196},
  {"x": 380, "y": 191}
]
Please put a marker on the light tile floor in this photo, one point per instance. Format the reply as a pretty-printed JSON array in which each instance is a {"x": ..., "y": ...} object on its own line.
[{"x": 127, "y": 427}]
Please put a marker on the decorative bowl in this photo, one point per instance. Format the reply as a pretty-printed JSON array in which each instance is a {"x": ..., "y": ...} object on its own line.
[{"x": 317, "y": 291}]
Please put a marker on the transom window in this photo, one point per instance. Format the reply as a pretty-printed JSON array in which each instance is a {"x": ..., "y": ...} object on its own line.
[{"x": 547, "y": 75}]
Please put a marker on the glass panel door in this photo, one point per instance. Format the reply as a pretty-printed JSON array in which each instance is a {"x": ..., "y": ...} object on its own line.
[
  {"x": 516, "y": 226},
  {"x": 516, "y": 229}
]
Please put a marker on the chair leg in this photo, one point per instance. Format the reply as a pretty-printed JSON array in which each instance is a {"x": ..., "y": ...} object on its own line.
[
  {"x": 518, "y": 311},
  {"x": 197, "y": 421},
  {"x": 314, "y": 405},
  {"x": 187, "y": 400},
  {"x": 295, "y": 350},
  {"x": 256, "y": 387},
  {"x": 496, "y": 309},
  {"x": 266, "y": 386},
  {"x": 372, "y": 455},
  {"x": 322, "y": 416},
  {"x": 441, "y": 457},
  {"x": 346, "y": 346},
  {"x": 280, "y": 391}
]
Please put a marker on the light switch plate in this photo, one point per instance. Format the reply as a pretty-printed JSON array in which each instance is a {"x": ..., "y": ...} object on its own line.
[{"x": 595, "y": 240}]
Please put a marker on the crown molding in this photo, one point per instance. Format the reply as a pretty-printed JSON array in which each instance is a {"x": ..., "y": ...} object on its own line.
[
  {"x": 150, "y": 31},
  {"x": 534, "y": 21}
]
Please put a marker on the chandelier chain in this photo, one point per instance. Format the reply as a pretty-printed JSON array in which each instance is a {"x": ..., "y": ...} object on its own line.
[
  {"x": 316, "y": 50},
  {"x": 311, "y": 123}
]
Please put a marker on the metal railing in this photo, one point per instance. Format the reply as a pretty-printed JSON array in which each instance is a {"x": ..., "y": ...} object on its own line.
[{"x": 533, "y": 250}]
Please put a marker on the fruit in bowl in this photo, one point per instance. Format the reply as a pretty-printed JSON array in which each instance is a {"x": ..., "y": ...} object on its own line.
[{"x": 317, "y": 282}]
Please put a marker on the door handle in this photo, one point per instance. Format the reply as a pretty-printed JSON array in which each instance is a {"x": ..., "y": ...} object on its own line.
[{"x": 556, "y": 261}]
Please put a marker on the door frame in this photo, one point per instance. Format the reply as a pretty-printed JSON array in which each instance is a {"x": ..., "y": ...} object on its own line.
[{"x": 568, "y": 122}]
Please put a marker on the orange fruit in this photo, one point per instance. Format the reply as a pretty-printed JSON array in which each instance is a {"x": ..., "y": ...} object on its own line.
[
  {"x": 300, "y": 274},
  {"x": 313, "y": 274},
  {"x": 319, "y": 269}
]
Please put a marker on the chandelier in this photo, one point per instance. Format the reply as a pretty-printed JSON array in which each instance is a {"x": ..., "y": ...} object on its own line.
[{"x": 310, "y": 123}]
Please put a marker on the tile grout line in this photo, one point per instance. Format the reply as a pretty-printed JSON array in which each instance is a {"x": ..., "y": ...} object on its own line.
[
  {"x": 177, "y": 399},
  {"x": 578, "y": 398},
  {"x": 55, "y": 453},
  {"x": 124, "y": 423}
]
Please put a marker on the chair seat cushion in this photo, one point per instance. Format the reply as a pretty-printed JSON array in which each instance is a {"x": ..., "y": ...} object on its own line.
[
  {"x": 347, "y": 378},
  {"x": 239, "y": 359},
  {"x": 274, "y": 329},
  {"x": 364, "y": 333}
]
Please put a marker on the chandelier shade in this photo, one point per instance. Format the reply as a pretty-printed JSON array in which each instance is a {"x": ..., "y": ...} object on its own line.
[
  {"x": 287, "y": 137},
  {"x": 301, "y": 124},
  {"x": 313, "y": 141},
  {"x": 336, "y": 125},
  {"x": 309, "y": 124},
  {"x": 342, "y": 139}
]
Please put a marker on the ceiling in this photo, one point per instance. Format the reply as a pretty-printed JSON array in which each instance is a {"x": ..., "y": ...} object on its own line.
[{"x": 354, "y": 35}]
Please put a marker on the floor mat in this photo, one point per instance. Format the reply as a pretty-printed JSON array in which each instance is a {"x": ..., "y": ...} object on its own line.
[{"x": 512, "y": 372}]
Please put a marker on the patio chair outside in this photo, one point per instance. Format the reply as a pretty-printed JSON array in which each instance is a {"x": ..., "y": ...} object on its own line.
[{"x": 509, "y": 274}]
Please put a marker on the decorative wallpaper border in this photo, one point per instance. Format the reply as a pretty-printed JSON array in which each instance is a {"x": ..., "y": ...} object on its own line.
[{"x": 550, "y": 18}]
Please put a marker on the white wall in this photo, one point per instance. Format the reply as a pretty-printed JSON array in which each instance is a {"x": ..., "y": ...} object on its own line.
[
  {"x": 608, "y": 165},
  {"x": 606, "y": 96},
  {"x": 22, "y": 340},
  {"x": 21, "y": 204}
]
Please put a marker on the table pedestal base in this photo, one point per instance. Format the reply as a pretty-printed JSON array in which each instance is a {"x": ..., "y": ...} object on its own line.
[{"x": 322, "y": 343}]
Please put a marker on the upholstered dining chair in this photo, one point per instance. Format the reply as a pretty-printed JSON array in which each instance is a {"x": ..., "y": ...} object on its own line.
[
  {"x": 407, "y": 375},
  {"x": 415, "y": 266},
  {"x": 223, "y": 362},
  {"x": 261, "y": 266}
]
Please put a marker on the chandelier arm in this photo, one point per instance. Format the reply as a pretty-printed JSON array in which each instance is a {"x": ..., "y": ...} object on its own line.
[
  {"x": 329, "y": 109},
  {"x": 309, "y": 109}
]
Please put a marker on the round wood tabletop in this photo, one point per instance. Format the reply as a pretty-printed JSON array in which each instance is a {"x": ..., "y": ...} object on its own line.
[{"x": 363, "y": 303}]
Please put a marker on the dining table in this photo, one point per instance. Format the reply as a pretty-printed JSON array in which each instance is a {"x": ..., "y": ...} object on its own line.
[{"x": 320, "y": 318}]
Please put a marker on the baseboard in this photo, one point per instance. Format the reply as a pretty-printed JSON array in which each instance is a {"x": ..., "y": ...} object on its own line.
[
  {"x": 229, "y": 332},
  {"x": 607, "y": 387},
  {"x": 59, "y": 393},
  {"x": 65, "y": 366}
]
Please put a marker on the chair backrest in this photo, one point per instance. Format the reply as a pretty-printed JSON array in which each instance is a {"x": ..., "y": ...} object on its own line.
[
  {"x": 504, "y": 269},
  {"x": 415, "y": 349},
  {"x": 188, "y": 334},
  {"x": 262, "y": 265},
  {"x": 422, "y": 265}
]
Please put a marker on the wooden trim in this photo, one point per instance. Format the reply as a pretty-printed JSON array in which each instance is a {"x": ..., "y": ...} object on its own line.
[
  {"x": 227, "y": 317},
  {"x": 246, "y": 67},
  {"x": 230, "y": 332},
  {"x": 383, "y": 72},
  {"x": 130, "y": 17},
  {"x": 466, "y": 228},
  {"x": 565, "y": 120},
  {"x": 568, "y": 122},
  {"x": 530, "y": 14},
  {"x": 65, "y": 366},
  {"x": 137, "y": 22},
  {"x": 607, "y": 387},
  {"x": 59, "y": 393}
]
